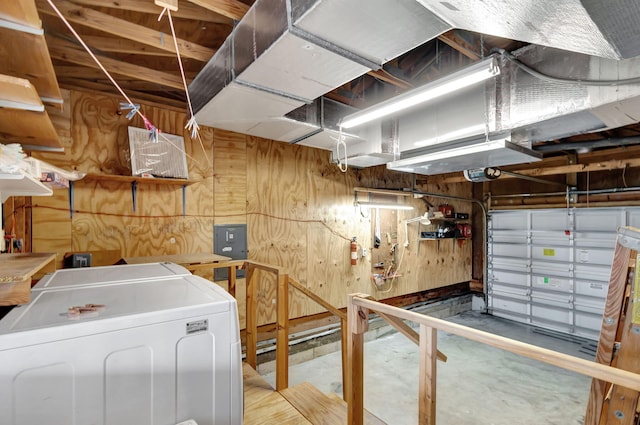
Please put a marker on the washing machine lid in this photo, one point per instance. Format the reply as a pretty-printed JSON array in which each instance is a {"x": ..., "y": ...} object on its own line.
[
  {"x": 121, "y": 305},
  {"x": 109, "y": 274}
]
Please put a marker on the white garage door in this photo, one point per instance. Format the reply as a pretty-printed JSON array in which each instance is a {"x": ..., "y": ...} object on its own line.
[{"x": 551, "y": 268}]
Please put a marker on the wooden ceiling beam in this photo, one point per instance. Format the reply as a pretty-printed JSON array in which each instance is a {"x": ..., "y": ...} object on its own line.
[
  {"x": 139, "y": 97},
  {"x": 596, "y": 161},
  {"x": 233, "y": 9},
  {"x": 186, "y": 10},
  {"x": 389, "y": 78},
  {"x": 68, "y": 52},
  {"x": 453, "y": 40},
  {"x": 123, "y": 45},
  {"x": 125, "y": 29}
]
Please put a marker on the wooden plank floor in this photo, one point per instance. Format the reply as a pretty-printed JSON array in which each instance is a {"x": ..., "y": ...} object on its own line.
[
  {"x": 263, "y": 405},
  {"x": 320, "y": 408}
]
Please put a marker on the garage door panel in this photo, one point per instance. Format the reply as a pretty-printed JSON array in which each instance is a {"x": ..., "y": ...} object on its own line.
[{"x": 564, "y": 257}]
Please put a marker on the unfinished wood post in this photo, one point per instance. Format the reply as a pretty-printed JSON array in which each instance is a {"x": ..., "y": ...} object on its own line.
[
  {"x": 610, "y": 321},
  {"x": 345, "y": 360},
  {"x": 232, "y": 280},
  {"x": 427, "y": 375},
  {"x": 251, "y": 318},
  {"x": 357, "y": 325},
  {"x": 282, "y": 333}
]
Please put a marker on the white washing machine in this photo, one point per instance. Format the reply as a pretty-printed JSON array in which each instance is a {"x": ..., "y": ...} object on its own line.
[{"x": 156, "y": 346}]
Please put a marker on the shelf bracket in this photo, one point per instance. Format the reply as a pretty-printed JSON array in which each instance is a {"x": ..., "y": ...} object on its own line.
[
  {"x": 134, "y": 194},
  {"x": 184, "y": 200},
  {"x": 71, "y": 198}
]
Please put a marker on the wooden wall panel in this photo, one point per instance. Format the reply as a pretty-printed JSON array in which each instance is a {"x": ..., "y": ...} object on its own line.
[
  {"x": 298, "y": 208},
  {"x": 104, "y": 217},
  {"x": 230, "y": 175},
  {"x": 277, "y": 208},
  {"x": 51, "y": 224}
]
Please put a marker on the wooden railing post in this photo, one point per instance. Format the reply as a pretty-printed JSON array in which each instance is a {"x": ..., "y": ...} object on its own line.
[
  {"x": 427, "y": 375},
  {"x": 232, "y": 280},
  {"x": 282, "y": 333},
  {"x": 251, "y": 319},
  {"x": 357, "y": 325},
  {"x": 345, "y": 360}
]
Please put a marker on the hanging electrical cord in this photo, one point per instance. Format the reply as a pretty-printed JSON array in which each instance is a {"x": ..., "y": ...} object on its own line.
[
  {"x": 550, "y": 78},
  {"x": 340, "y": 142},
  {"x": 134, "y": 109},
  {"x": 191, "y": 125}
]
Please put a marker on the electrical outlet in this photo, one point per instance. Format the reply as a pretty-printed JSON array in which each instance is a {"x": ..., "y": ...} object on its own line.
[
  {"x": 364, "y": 252},
  {"x": 172, "y": 240}
]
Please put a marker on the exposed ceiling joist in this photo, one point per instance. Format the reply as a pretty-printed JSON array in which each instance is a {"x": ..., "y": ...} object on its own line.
[
  {"x": 230, "y": 8},
  {"x": 186, "y": 10},
  {"x": 68, "y": 52},
  {"x": 123, "y": 45},
  {"x": 453, "y": 40},
  {"x": 587, "y": 165},
  {"x": 121, "y": 28},
  {"x": 387, "y": 77},
  {"x": 146, "y": 98}
]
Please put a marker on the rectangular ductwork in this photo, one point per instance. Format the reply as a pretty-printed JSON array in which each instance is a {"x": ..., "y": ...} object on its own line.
[
  {"x": 592, "y": 27},
  {"x": 285, "y": 53}
]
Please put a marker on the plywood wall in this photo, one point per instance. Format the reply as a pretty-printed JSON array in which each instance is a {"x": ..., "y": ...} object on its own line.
[{"x": 298, "y": 208}]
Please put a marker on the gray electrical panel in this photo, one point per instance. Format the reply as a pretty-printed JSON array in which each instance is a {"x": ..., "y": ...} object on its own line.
[{"x": 229, "y": 240}]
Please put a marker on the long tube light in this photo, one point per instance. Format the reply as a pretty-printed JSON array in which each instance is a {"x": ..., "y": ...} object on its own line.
[
  {"x": 466, "y": 77},
  {"x": 383, "y": 205}
]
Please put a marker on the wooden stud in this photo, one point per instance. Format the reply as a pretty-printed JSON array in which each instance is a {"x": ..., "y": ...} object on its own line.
[
  {"x": 427, "y": 375},
  {"x": 282, "y": 335}
]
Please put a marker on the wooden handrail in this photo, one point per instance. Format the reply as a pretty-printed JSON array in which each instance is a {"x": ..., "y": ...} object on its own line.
[
  {"x": 297, "y": 285},
  {"x": 358, "y": 308},
  {"x": 283, "y": 281}
]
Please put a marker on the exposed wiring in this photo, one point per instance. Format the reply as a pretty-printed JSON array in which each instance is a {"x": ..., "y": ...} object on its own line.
[
  {"x": 341, "y": 143},
  {"x": 550, "y": 78},
  {"x": 296, "y": 220}
]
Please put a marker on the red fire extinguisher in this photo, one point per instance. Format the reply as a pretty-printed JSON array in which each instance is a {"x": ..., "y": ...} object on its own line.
[{"x": 354, "y": 251}]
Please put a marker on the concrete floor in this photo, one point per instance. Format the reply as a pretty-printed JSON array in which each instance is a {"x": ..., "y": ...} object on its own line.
[{"x": 478, "y": 385}]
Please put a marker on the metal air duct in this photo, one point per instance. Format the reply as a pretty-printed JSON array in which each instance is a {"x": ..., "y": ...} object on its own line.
[{"x": 286, "y": 53}]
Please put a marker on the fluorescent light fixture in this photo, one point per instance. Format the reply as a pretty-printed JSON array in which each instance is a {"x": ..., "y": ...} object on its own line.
[
  {"x": 466, "y": 77},
  {"x": 457, "y": 156},
  {"x": 383, "y": 205}
]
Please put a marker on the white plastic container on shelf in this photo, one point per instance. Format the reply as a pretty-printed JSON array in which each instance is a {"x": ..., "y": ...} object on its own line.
[{"x": 159, "y": 346}]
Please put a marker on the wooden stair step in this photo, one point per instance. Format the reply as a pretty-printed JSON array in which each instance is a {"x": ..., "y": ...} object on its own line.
[
  {"x": 321, "y": 409},
  {"x": 265, "y": 406}
]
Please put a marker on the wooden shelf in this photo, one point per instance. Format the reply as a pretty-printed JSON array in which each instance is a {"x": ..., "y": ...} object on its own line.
[
  {"x": 21, "y": 185},
  {"x": 134, "y": 181},
  {"x": 138, "y": 179},
  {"x": 16, "y": 272},
  {"x": 24, "y": 52},
  {"x": 22, "y": 116}
]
